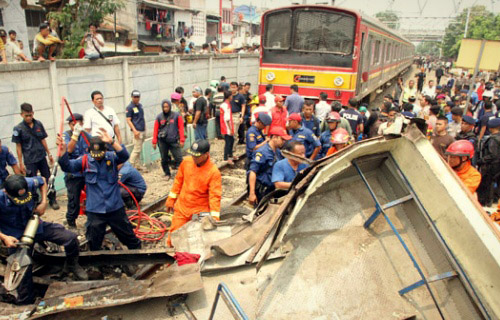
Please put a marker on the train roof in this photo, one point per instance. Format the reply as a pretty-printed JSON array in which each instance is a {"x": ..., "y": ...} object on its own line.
[{"x": 364, "y": 17}]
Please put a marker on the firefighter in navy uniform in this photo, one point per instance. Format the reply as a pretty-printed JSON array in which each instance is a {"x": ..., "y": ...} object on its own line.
[
  {"x": 255, "y": 137},
  {"x": 261, "y": 166},
  {"x": 17, "y": 204},
  {"x": 489, "y": 163},
  {"x": 75, "y": 182},
  {"x": 104, "y": 202},
  {"x": 303, "y": 135}
]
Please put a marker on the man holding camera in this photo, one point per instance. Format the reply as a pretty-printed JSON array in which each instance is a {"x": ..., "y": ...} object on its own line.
[{"x": 93, "y": 43}]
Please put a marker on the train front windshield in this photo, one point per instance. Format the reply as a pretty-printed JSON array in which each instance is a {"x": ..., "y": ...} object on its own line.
[{"x": 309, "y": 37}]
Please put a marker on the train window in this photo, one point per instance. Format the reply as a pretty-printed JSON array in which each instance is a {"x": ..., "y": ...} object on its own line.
[
  {"x": 324, "y": 31},
  {"x": 278, "y": 28},
  {"x": 376, "y": 52},
  {"x": 388, "y": 52}
]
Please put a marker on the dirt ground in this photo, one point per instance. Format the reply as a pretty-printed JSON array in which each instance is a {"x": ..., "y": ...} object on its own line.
[{"x": 233, "y": 184}]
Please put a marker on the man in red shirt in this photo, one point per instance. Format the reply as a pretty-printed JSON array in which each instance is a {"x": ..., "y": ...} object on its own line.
[{"x": 279, "y": 114}]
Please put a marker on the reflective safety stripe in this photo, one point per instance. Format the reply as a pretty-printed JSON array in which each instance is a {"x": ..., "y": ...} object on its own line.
[
  {"x": 215, "y": 214},
  {"x": 172, "y": 195}
]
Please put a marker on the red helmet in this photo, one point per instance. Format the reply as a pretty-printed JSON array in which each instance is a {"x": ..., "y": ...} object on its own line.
[
  {"x": 340, "y": 136},
  {"x": 333, "y": 117},
  {"x": 461, "y": 148}
]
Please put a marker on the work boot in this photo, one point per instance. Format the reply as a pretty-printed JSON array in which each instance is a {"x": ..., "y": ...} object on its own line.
[
  {"x": 72, "y": 265},
  {"x": 54, "y": 205}
]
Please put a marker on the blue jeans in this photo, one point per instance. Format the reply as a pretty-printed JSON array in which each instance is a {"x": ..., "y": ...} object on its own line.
[{"x": 200, "y": 132}]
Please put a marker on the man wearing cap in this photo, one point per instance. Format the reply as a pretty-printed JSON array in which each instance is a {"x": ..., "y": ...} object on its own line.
[
  {"x": 467, "y": 130},
  {"x": 261, "y": 166},
  {"x": 300, "y": 133},
  {"x": 168, "y": 133},
  {"x": 200, "y": 111},
  {"x": 285, "y": 170},
  {"x": 104, "y": 202},
  {"x": 333, "y": 120},
  {"x": 260, "y": 108},
  {"x": 455, "y": 125},
  {"x": 18, "y": 202},
  {"x": 197, "y": 187},
  {"x": 489, "y": 163},
  {"x": 279, "y": 114},
  {"x": 255, "y": 137},
  {"x": 77, "y": 141},
  {"x": 101, "y": 116},
  {"x": 137, "y": 124},
  {"x": 7, "y": 158}
]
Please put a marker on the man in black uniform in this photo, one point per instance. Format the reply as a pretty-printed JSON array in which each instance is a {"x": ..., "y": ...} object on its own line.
[
  {"x": 489, "y": 163},
  {"x": 467, "y": 130},
  {"x": 31, "y": 146}
]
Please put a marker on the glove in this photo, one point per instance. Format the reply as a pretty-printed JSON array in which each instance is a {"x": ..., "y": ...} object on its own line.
[{"x": 77, "y": 129}]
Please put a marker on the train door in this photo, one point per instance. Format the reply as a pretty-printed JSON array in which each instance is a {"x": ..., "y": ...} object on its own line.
[
  {"x": 383, "y": 50},
  {"x": 363, "y": 65}
]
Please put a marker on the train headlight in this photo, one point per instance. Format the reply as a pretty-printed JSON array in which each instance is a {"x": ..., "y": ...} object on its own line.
[
  {"x": 270, "y": 76},
  {"x": 338, "y": 81}
]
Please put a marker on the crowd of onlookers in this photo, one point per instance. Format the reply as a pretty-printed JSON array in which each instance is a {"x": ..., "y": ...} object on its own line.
[{"x": 47, "y": 46}]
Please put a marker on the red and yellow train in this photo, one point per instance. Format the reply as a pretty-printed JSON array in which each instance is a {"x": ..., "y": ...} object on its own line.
[{"x": 327, "y": 49}]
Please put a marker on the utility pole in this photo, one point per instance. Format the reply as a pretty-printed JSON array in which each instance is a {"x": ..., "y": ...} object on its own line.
[{"x": 467, "y": 22}]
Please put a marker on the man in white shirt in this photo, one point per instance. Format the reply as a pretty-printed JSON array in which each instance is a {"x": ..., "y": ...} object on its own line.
[
  {"x": 269, "y": 96},
  {"x": 101, "y": 117},
  {"x": 322, "y": 107},
  {"x": 430, "y": 90}
]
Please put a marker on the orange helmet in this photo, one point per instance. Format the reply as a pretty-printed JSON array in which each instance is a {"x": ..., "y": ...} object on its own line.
[
  {"x": 461, "y": 148},
  {"x": 340, "y": 136}
]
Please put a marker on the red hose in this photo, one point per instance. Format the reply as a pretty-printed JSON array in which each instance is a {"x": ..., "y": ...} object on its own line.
[{"x": 157, "y": 229}]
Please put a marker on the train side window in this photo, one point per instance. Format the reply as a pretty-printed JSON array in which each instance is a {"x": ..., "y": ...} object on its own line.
[{"x": 376, "y": 52}]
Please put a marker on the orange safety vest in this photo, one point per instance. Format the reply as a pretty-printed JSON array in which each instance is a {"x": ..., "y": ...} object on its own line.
[{"x": 330, "y": 151}]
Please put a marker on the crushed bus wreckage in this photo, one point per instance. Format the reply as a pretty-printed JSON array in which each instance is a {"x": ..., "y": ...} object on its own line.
[{"x": 381, "y": 229}]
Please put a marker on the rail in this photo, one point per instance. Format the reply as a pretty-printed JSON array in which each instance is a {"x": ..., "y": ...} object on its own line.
[{"x": 231, "y": 302}]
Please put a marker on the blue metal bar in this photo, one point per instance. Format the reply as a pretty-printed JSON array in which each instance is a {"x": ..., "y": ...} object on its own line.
[
  {"x": 443, "y": 276},
  {"x": 397, "y": 202},
  {"x": 394, "y": 229},
  {"x": 440, "y": 236},
  {"x": 231, "y": 302},
  {"x": 372, "y": 218}
]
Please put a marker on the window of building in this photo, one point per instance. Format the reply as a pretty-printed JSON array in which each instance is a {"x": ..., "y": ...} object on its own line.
[
  {"x": 34, "y": 18},
  {"x": 226, "y": 16}
]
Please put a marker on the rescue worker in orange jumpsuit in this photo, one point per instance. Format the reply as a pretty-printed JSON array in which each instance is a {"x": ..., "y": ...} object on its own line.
[
  {"x": 459, "y": 155},
  {"x": 340, "y": 139},
  {"x": 197, "y": 187}
]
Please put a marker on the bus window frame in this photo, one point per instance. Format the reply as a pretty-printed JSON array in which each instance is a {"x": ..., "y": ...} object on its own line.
[
  {"x": 294, "y": 31},
  {"x": 290, "y": 11}
]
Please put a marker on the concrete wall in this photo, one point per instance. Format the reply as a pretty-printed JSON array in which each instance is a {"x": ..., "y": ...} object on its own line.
[{"x": 43, "y": 85}]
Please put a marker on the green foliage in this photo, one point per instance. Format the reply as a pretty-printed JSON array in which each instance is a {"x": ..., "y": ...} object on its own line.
[
  {"x": 74, "y": 20},
  {"x": 482, "y": 25},
  {"x": 428, "y": 48},
  {"x": 389, "y": 18}
]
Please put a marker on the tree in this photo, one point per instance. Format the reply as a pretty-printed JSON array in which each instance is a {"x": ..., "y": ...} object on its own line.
[
  {"x": 482, "y": 25},
  {"x": 74, "y": 19},
  {"x": 428, "y": 48},
  {"x": 389, "y": 18}
]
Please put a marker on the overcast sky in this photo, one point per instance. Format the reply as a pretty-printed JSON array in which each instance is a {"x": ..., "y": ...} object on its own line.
[{"x": 405, "y": 8}]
